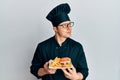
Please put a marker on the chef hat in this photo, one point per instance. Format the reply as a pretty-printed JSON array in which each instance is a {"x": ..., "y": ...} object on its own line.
[{"x": 59, "y": 14}]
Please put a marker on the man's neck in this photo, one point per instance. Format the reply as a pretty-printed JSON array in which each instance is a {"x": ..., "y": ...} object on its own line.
[{"x": 60, "y": 40}]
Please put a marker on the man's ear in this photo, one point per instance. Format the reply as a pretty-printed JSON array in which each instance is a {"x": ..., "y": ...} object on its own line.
[{"x": 55, "y": 29}]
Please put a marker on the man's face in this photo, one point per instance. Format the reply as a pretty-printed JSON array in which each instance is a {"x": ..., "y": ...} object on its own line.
[{"x": 64, "y": 29}]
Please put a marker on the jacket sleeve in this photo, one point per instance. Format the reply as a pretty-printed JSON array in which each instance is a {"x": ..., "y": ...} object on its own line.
[
  {"x": 37, "y": 62},
  {"x": 82, "y": 63}
]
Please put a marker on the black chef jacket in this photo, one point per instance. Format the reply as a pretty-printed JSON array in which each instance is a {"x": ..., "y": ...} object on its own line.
[{"x": 49, "y": 49}]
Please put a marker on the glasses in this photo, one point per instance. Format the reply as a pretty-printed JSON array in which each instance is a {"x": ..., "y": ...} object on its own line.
[{"x": 66, "y": 25}]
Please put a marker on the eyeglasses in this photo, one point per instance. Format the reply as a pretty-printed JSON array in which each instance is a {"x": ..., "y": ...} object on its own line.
[{"x": 66, "y": 25}]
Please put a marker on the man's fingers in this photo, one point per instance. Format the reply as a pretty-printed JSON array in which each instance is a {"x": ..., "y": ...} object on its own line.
[
  {"x": 47, "y": 63},
  {"x": 66, "y": 72},
  {"x": 73, "y": 68},
  {"x": 70, "y": 70}
]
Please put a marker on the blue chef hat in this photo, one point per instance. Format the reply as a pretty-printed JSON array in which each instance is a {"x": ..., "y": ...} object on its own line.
[{"x": 59, "y": 14}]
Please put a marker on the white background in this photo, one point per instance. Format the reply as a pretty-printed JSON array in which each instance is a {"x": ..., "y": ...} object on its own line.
[{"x": 23, "y": 25}]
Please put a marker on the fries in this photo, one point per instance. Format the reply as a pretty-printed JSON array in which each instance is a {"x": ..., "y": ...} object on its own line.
[{"x": 55, "y": 63}]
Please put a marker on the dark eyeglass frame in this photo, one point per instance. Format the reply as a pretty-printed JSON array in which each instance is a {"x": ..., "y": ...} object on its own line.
[{"x": 66, "y": 25}]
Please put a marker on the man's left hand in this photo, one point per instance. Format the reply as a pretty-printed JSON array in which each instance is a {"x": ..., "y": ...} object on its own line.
[{"x": 71, "y": 74}]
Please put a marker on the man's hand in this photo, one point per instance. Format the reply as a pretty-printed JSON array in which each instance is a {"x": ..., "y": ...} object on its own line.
[
  {"x": 71, "y": 73},
  {"x": 48, "y": 70}
]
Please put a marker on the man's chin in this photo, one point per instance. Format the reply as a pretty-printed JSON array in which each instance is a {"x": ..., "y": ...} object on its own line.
[{"x": 68, "y": 36}]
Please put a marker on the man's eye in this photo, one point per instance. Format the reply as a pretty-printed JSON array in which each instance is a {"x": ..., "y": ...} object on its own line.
[{"x": 64, "y": 26}]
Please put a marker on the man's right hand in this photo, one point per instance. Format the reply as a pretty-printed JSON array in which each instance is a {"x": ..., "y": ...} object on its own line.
[{"x": 48, "y": 70}]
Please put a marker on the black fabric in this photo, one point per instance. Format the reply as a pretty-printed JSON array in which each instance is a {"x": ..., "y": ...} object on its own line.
[
  {"x": 59, "y": 14},
  {"x": 49, "y": 49}
]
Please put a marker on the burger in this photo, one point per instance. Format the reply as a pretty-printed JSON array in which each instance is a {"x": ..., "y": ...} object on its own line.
[{"x": 65, "y": 62}]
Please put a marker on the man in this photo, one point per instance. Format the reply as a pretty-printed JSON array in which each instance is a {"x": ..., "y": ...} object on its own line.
[{"x": 60, "y": 45}]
